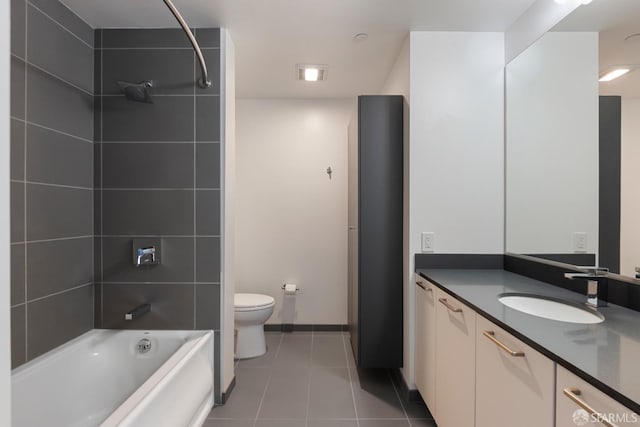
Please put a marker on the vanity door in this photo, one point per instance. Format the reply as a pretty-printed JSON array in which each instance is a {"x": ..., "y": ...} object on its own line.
[
  {"x": 514, "y": 382},
  {"x": 580, "y": 403}
]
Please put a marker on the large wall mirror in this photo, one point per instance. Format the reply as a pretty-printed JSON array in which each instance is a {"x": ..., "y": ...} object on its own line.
[{"x": 573, "y": 143}]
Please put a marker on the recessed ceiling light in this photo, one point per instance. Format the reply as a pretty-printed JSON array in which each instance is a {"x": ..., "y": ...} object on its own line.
[
  {"x": 360, "y": 37},
  {"x": 311, "y": 73},
  {"x": 614, "y": 74}
]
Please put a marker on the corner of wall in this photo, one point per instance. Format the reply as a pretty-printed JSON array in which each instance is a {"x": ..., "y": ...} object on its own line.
[
  {"x": 228, "y": 145},
  {"x": 398, "y": 83},
  {"x": 533, "y": 23},
  {"x": 5, "y": 334}
]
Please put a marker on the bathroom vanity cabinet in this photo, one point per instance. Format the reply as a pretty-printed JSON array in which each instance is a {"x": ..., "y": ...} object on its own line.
[
  {"x": 375, "y": 233},
  {"x": 455, "y": 362},
  {"x": 469, "y": 379},
  {"x": 514, "y": 382},
  {"x": 615, "y": 413},
  {"x": 484, "y": 376},
  {"x": 425, "y": 374}
]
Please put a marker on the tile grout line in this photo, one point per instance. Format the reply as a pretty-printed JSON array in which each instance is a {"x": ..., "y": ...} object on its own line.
[
  {"x": 195, "y": 205},
  {"x": 101, "y": 180},
  {"x": 279, "y": 344},
  {"x": 266, "y": 386},
  {"x": 93, "y": 184},
  {"x": 52, "y": 185},
  {"x": 158, "y": 48},
  {"x": 395, "y": 389},
  {"x": 29, "y": 122},
  {"x": 310, "y": 378},
  {"x": 57, "y": 77},
  {"x": 59, "y": 24},
  {"x": 57, "y": 293},
  {"x": 80, "y": 18},
  {"x": 353, "y": 394},
  {"x": 56, "y": 239},
  {"x": 26, "y": 254}
]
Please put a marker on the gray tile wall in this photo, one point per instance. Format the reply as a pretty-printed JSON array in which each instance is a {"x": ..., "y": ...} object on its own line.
[
  {"x": 52, "y": 75},
  {"x": 90, "y": 171},
  {"x": 157, "y": 169}
]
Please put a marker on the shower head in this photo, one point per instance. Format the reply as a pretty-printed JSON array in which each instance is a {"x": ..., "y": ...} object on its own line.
[{"x": 138, "y": 92}]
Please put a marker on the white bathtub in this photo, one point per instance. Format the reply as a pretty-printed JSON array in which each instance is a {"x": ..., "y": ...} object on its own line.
[{"x": 101, "y": 379}]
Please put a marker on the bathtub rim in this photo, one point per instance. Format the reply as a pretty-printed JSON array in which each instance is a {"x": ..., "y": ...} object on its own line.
[
  {"x": 64, "y": 348},
  {"x": 164, "y": 374}
]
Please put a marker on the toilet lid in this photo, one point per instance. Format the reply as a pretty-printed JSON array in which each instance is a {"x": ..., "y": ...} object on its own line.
[{"x": 252, "y": 300}]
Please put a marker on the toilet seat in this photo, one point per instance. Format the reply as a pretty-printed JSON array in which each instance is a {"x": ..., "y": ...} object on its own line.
[{"x": 251, "y": 302}]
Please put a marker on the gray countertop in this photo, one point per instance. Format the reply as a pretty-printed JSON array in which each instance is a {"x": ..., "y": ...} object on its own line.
[{"x": 606, "y": 354}]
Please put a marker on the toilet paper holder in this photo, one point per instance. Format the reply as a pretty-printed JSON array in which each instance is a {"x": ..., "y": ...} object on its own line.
[{"x": 285, "y": 287}]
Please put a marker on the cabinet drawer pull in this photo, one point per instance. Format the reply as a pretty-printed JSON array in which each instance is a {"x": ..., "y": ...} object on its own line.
[
  {"x": 492, "y": 336},
  {"x": 424, "y": 287},
  {"x": 444, "y": 302},
  {"x": 573, "y": 393}
]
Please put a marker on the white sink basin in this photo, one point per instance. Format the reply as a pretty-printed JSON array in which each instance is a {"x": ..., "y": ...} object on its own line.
[{"x": 550, "y": 308}]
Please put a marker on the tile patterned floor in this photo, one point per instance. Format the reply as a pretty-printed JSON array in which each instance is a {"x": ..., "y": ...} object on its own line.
[{"x": 309, "y": 379}]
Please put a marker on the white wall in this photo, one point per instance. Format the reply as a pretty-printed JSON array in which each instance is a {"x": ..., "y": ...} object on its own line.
[
  {"x": 630, "y": 191},
  {"x": 5, "y": 275},
  {"x": 552, "y": 144},
  {"x": 457, "y": 141},
  {"x": 291, "y": 219},
  {"x": 456, "y": 150},
  {"x": 536, "y": 21},
  {"x": 228, "y": 180},
  {"x": 398, "y": 83}
]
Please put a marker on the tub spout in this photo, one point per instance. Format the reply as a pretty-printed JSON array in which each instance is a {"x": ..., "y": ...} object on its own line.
[{"x": 139, "y": 311}]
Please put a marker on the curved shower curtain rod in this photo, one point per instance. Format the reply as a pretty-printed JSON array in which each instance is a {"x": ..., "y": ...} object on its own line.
[{"x": 204, "y": 82}]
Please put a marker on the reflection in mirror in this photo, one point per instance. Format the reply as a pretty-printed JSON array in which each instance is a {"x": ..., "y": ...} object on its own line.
[
  {"x": 572, "y": 156},
  {"x": 552, "y": 146}
]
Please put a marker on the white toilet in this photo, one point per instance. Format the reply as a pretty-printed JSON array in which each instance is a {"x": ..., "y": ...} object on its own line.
[{"x": 251, "y": 312}]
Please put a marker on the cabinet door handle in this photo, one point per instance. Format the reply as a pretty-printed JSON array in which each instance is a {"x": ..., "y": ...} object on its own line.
[
  {"x": 424, "y": 287},
  {"x": 492, "y": 336},
  {"x": 444, "y": 302},
  {"x": 573, "y": 393}
]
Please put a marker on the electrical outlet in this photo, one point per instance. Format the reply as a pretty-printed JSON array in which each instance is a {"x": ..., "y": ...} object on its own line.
[
  {"x": 428, "y": 241},
  {"x": 579, "y": 242}
]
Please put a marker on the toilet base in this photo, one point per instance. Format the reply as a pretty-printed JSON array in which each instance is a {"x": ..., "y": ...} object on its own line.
[{"x": 250, "y": 341}]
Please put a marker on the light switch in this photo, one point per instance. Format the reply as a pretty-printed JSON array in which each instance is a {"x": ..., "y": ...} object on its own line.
[
  {"x": 428, "y": 241},
  {"x": 579, "y": 242}
]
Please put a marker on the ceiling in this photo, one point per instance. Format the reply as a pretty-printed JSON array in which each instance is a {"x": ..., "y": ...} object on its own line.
[
  {"x": 272, "y": 36},
  {"x": 614, "y": 20}
]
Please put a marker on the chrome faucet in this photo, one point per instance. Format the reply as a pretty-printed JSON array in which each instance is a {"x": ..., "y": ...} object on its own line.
[
  {"x": 597, "y": 284},
  {"x": 146, "y": 256}
]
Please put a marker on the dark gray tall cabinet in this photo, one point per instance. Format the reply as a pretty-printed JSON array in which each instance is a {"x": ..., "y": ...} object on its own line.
[{"x": 375, "y": 231}]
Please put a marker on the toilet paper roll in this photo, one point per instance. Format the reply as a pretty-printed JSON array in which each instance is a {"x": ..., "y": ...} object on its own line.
[{"x": 290, "y": 289}]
